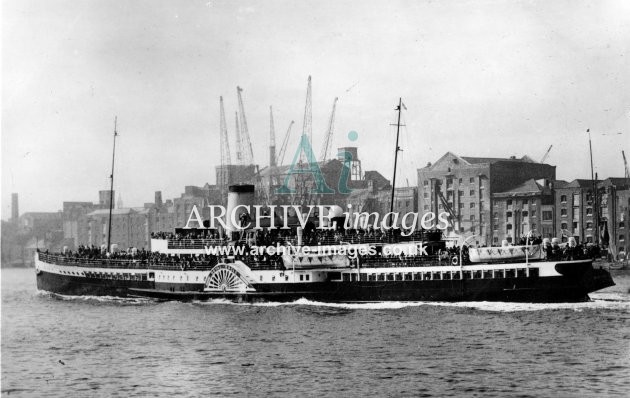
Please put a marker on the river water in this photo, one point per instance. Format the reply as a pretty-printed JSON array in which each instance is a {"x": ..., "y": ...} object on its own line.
[{"x": 89, "y": 346}]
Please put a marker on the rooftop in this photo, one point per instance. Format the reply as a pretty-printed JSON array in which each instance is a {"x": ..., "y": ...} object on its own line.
[
  {"x": 529, "y": 187},
  {"x": 472, "y": 160},
  {"x": 123, "y": 211}
]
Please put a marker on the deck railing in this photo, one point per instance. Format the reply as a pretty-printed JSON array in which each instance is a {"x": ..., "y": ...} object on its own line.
[
  {"x": 59, "y": 259},
  {"x": 185, "y": 243}
]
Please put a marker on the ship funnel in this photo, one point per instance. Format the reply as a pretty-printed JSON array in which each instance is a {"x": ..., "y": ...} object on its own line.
[{"x": 239, "y": 195}]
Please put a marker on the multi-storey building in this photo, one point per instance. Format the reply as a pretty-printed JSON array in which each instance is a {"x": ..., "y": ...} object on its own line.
[
  {"x": 464, "y": 187},
  {"x": 525, "y": 210},
  {"x": 131, "y": 227},
  {"x": 575, "y": 211},
  {"x": 614, "y": 212},
  {"x": 71, "y": 217}
]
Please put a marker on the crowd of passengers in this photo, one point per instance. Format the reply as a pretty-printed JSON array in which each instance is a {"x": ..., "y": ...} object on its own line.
[
  {"x": 552, "y": 250},
  {"x": 193, "y": 234},
  {"x": 142, "y": 256},
  {"x": 311, "y": 236}
]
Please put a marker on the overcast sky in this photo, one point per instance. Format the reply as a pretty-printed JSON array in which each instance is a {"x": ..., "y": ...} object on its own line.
[{"x": 479, "y": 78}]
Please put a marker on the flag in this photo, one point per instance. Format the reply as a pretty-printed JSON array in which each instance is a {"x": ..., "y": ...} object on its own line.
[{"x": 403, "y": 105}]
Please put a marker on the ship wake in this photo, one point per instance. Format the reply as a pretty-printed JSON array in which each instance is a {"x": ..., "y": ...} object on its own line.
[{"x": 610, "y": 301}]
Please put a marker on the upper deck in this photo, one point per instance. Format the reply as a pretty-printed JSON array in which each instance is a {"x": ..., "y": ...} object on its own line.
[{"x": 196, "y": 243}]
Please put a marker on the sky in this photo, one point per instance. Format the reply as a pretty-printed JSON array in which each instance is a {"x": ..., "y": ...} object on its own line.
[{"x": 478, "y": 78}]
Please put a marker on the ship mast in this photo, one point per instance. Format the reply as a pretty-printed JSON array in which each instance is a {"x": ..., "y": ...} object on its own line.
[
  {"x": 594, "y": 195},
  {"x": 399, "y": 108},
  {"x": 111, "y": 189}
]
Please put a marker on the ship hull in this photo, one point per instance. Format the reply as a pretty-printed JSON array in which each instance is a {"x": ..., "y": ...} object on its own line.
[
  {"x": 543, "y": 290},
  {"x": 81, "y": 286},
  {"x": 540, "y": 290}
]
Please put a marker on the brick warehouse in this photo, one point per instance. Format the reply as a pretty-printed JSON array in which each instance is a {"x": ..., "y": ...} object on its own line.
[{"x": 467, "y": 186}]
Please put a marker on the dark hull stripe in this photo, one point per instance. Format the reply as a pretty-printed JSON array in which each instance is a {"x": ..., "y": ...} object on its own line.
[{"x": 549, "y": 289}]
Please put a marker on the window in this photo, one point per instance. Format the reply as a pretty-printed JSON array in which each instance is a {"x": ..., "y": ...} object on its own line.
[
  {"x": 472, "y": 217},
  {"x": 622, "y": 238},
  {"x": 440, "y": 206},
  {"x": 460, "y": 181},
  {"x": 461, "y": 229},
  {"x": 495, "y": 215},
  {"x": 495, "y": 227},
  {"x": 525, "y": 213},
  {"x": 576, "y": 199},
  {"x": 472, "y": 192},
  {"x": 563, "y": 212},
  {"x": 508, "y": 227},
  {"x": 460, "y": 193},
  {"x": 495, "y": 240},
  {"x": 472, "y": 180},
  {"x": 547, "y": 215},
  {"x": 563, "y": 198},
  {"x": 533, "y": 226},
  {"x": 589, "y": 239},
  {"x": 508, "y": 214},
  {"x": 575, "y": 225},
  {"x": 472, "y": 230},
  {"x": 425, "y": 183},
  {"x": 461, "y": 205},
  {"x": 481, "y": 204},
  {"x": 563, "y": 225},
  {"x": 622, "y": 224},
  {"x": 576, "y": 213},
  {"x": 426, "y": 207},
  {"x": 472, "y": 205},
  {"x": 589, "y": 211},
  {"x": 589, "y": 225},
  {"x": 426, "y": 195}
]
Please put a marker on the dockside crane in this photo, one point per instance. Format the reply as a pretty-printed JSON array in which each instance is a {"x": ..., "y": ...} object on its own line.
[
  {"x": 272, "y": 140},
  {"x": 248, "y": 152},
  {"x": 329, "y": 133},
  {"x": 448, "y": 208},
  {"x": 239, "y": 143},
  {"x": 302, "y": 195},
  {"x": 225, "y": 150},
  {"x": 546, "y": 154},
  {"x": 272, "y": 156},
  {"x": 307, "y": 125},
  {"x": 283, "y": 148},
  {"x": 625, "y": 164}
]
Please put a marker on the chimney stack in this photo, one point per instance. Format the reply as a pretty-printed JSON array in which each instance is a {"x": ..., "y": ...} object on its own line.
[{"x": 15, "y": 211}]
